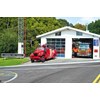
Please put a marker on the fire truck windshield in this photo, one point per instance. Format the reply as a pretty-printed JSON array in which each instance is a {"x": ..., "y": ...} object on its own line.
[{"x": 84, "y": 46}]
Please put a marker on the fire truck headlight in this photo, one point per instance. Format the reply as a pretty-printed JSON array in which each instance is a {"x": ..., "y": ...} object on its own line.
[{"x": 39, "y": 54}]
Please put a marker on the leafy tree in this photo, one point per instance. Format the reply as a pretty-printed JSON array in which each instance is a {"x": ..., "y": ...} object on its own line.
[
  {"x": 8, "y": 41},
  {"x": 80, "y": 26},
  {"x": 8, "y": 22},
  {"x": 94, "y": 27},
  {"x": 37, "y": 26},
  {"x": 71, "y": 25},
  {"x": 63, "y": 22}
]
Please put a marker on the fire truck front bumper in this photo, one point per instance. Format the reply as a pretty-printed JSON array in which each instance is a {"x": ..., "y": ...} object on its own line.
[{"x": 36, "y": 58}]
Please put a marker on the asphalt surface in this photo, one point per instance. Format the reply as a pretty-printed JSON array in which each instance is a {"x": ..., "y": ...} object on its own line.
[
  {"x": 6, "y": 76},
  {"x": 60, "y": 73}
]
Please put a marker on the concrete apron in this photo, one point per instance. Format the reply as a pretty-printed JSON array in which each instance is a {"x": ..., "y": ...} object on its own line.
[{"x": 62, "y": 60}]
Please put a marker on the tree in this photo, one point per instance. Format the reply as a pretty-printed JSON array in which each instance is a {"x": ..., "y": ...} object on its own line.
[
  {"x": 8, "y": 41},
  {"x": 63, "y": 22},
  {"x": 80, "y": 26},
  {"x": 40, "y": 25},
  {"x": 8, "y": 22},
  {"x": 94, "y": 27},
  {"x": 34, "y": 26},
  {"x": 71, "y": 25}
]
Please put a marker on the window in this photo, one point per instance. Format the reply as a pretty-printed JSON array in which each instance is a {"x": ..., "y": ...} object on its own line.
[
  {"x": 58, "y": 34},
  {"x": 79, "y": 33}
]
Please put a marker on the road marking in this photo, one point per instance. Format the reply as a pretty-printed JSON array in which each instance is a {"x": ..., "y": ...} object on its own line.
[
  {"x": 16, "y": 75},
  {"x": 97, "y": 79},
  {"x": 1, "y": 74}
]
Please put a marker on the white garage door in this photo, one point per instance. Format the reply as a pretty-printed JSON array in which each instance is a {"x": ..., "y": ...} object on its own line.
[{"x": 59, "y": 45}]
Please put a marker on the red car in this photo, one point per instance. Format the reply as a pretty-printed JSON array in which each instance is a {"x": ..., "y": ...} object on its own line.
[{"x": 43, "y": 53}]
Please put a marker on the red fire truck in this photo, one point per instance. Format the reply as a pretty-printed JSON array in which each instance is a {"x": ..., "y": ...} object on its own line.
[
  {"x": 43, "y": 53},
  {"x": 84, "y": 50}
]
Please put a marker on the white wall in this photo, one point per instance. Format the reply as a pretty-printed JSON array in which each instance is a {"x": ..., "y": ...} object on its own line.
[
  {"x": 43, "y": 40},
  {"x": 96, "y": 54},
  {"x": 20, "y": 48},
  {"x": 72, "y": 34},
  {"x": 68, "y": 48}
]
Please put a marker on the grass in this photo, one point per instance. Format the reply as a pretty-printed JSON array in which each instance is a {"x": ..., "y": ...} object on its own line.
[{"x": 12, "y": 61}]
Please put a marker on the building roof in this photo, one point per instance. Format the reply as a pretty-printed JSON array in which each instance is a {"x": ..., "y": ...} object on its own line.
[{"x": 69, "y": 28}]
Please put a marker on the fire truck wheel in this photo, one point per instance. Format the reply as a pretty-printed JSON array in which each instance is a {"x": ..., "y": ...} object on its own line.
[
  {"x": 42, "y": 59},
  {"x": 32, "y": 61}
]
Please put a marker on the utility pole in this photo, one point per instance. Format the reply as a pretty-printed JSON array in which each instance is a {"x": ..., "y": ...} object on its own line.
[{"x": 25, "y": 36}]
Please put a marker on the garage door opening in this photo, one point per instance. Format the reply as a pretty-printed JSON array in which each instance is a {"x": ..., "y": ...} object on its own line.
[{"x": 82, "y": 48}]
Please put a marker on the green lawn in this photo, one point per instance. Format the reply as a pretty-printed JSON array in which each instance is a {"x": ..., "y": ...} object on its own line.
[{"x": 12, "y": 61}]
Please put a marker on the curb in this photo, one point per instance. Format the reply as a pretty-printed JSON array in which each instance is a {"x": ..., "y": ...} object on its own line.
[{"x": 45, "y": 64}]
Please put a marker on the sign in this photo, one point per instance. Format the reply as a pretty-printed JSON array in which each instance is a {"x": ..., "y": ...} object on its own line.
[
  {"x": 95, "y": 50},
  {"x": 11, "y": 55},
  {"x": 95, "y": 42}
]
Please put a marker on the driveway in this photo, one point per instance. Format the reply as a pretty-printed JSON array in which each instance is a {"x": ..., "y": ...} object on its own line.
[{"x": 61, "y": 60}]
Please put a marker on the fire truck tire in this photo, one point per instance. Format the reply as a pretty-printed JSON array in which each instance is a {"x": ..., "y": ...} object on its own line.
[
  {"x": 32, "y": 61},
  {"x": 43, "y": 59}
]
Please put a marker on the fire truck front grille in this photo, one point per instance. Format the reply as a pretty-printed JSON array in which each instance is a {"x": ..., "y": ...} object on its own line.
[{"x": 35, "y": 54}]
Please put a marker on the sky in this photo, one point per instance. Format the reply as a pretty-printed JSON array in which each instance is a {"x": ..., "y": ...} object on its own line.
[{"x": 81, "y": 20}]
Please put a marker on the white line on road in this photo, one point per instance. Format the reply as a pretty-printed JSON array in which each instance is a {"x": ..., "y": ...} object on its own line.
[{"x": 16, "y": 75}]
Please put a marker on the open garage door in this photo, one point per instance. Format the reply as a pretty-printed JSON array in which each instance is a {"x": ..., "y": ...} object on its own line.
[{"x": 82, "y": 47}]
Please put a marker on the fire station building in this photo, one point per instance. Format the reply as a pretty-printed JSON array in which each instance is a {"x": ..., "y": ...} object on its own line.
[{"x": 65, "y": 38}]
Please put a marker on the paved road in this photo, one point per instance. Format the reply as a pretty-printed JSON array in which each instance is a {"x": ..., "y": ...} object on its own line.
[{"x": 67, "y": 73}]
